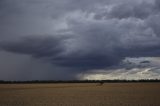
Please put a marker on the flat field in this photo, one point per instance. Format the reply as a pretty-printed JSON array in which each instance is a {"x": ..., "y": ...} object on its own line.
[{"x": 80, "y": 94}]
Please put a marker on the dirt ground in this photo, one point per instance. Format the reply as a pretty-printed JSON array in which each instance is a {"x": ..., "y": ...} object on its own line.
[{"x": 83, "y": 94}]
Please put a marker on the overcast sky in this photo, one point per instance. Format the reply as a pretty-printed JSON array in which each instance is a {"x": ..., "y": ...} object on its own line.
[{"x": 79, "y": 39}]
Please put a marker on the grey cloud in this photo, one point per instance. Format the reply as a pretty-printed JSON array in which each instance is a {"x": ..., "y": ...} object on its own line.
[
  {"x": 52, "y": 49},
  {"x": 80, "y": 35},
  {"x": 129, "y": 68},
  {"x": 127, "y": 9},
  {"x": 157, "y": 2},
  {"x": 36, "y": 46},
  {"x": 152, "y": 21}
]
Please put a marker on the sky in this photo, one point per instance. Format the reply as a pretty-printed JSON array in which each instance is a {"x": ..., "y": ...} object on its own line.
[{"x": 79, "y": 39}]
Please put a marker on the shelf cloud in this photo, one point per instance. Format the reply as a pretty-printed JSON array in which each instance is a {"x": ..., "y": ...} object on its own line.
[{"x": 79, "y": 37}]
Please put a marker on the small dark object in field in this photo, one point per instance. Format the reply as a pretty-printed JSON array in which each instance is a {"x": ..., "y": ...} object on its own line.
[{"x": 100, "y": 83}]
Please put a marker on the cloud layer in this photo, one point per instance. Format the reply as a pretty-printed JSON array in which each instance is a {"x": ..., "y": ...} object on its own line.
[
  {"x": 129, "y": 68},
  {"x": 80, "y": 35}
]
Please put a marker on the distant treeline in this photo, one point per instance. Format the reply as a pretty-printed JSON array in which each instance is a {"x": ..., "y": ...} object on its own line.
[{"x": 78, "y": 81}]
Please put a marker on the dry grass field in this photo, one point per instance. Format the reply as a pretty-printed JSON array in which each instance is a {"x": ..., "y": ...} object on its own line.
[{"x": 89, "y": 94}]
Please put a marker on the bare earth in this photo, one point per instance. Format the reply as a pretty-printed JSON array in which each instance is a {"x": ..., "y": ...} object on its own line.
[{"x": 89, "y": 94}]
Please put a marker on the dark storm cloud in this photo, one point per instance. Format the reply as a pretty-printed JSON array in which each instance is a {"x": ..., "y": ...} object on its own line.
[
  {"x": 81, "y": 35},
  {"x": 126, "y": 10},
  {"x": 53, "y": 49},
  {"x": 36, "y": 46}
]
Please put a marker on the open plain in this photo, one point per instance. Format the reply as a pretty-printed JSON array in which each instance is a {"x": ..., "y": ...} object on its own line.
[{"x": 80, "y": 94}]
